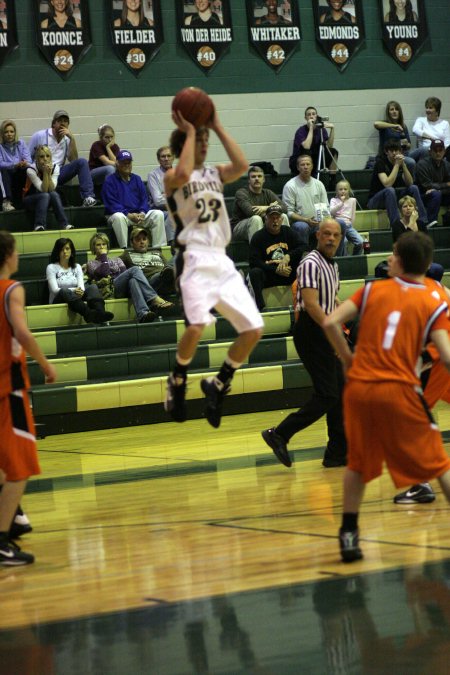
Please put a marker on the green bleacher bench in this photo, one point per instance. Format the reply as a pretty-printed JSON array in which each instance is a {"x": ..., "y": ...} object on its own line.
[
  {"x": 150, "y": 361},
  {"x": 442, "y": 256},
  {"x": 82, "y": 340},
  {"x": 36, "y": 291},
  {"x": 43, "y": 242},
  {"x": 352, "y": 266},
  {"x": 281, "y": 296},
  {"x": 59, "y": 399},
  {"x": 380, "y": 240}
]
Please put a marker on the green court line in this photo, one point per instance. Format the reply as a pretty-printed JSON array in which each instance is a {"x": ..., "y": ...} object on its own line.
[
  {"x": 102, "y": 478},
  {"x": 39, "y": 485}
]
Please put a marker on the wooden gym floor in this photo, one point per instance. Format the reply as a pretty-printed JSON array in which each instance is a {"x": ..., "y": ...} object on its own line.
[{"x": 178, "y": 549}]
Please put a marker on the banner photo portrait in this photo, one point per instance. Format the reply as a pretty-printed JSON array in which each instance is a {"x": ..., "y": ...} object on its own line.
[
  {"x": 205, "y": 30},
  {"x": 404, "y": 28},
  {"x": 274, "y": 29},
  {"x": 8, "y": 28},
  {"x": 339, "y": 29},
  {"x": 136, "y": 31},
  {"x": 63, "y": 32}
]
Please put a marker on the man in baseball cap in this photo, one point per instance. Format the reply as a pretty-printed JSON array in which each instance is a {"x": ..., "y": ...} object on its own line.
[
  {"x": 158, "y": 272},
  {"x": 126, "y": 203},
  {"x": 62, "y": 144},
  {"x": 433, "y": 178},
  {"x": 59, "y": 114},
  {"x": 124, "y": 156},
  {"x": 275, "y": 252}
]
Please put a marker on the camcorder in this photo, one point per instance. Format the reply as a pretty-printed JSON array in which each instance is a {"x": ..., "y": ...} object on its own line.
[{"x": 320, "y": 121}]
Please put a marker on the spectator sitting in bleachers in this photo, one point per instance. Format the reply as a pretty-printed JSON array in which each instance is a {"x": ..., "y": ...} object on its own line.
[
  {"x": 430, "y": 128},
  {"x": 409, "y": 221},
  {"x": 102, "y": 155},
  {"x": 307, "y": 203},
  {"x": 409, "y": 218},
  {"x": 125, "y": 282},
  {"x": 155, "y": 187},
  {"x": 40, "y": 191},
  {"x": 390, "y": 172},
  {"x": 433, "y": 177},
  {"x": 343, "y": 207},
  {"x": 126, "y": 203},
  {"x": 275, "y": 253},
  {"x": 159, "y": 273},
  {"x": 393, "y": 127},
  {"x": 14, "y": 162},
  {"x": 250, "y": 206},
  {"x": 66, "y": 284},
  {"x": 62, "y": 144}
]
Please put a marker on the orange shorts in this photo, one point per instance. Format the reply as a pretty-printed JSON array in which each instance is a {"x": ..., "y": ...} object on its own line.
[
  {"x": 438, "y": 385},
  {"x": 18, "y": 452},
  {"x": 389, "y": 421}
]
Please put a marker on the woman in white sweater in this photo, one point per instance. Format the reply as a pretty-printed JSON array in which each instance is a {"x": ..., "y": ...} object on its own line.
[{"x": 66, "y": 284}]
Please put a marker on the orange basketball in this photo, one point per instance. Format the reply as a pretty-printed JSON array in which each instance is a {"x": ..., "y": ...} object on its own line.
[{"x": 195, "y": 105}]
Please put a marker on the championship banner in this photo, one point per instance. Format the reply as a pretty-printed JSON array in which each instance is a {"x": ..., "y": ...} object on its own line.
[
  {"x": 404, "y": 28},
  {"x": 274, "y": 29},
  {"x": 339, "y": 29},
  {"x": 136, "y": 31},
  {"x": 8, "y": 28},
  {"x": 205, "y": 30},
  {"x": 63, "y": 32}
]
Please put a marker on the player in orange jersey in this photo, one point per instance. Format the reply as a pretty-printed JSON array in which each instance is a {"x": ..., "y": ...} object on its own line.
[
  {"x": 18, "y": 456},
  {"x": 385, "y": 414},
  {"x": 435, "y": 380}
]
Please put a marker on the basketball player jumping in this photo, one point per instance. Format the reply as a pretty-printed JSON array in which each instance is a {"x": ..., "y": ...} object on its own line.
[
  {"x": 208, "y": 278},
  {"x": 385, "y": 414}
]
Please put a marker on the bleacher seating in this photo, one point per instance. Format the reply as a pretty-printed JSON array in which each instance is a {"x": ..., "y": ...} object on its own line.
[{"x": 114, "y": 375}]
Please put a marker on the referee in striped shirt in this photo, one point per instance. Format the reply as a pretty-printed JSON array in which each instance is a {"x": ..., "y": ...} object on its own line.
[{"x": 318, "y": 285}]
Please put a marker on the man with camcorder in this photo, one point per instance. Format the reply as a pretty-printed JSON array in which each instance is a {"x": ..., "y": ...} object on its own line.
[{"x": 309, "y": 138}]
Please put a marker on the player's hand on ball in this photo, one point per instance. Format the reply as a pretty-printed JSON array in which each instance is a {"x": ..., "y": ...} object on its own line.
[
  {"x": 181, "y": 122},
  {"x": 214, "y": 121}
]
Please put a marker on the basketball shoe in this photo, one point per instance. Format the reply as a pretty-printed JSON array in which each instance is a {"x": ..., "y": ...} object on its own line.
[
  {"x": 417, "y": 494},
  {"x": 12, "y": 556},
  {"x": 20, "y": 525},
  {"x": 278, "y": 445},
  {"x": 175, "y": 403},
  {"x": 349, "y": 545},
  {"x": 214, "y": 400}
]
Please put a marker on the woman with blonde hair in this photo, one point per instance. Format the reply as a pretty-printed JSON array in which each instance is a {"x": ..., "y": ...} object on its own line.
[
  {"x": 40, "y": 190},
  {"x": 409, "y": 218},
  {"x": 14, "y": 161},
  {"x": 127, "y": 283}
]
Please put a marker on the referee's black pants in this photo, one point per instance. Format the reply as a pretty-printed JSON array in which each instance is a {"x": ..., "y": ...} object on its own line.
[{"x": 327, "y": 377}]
